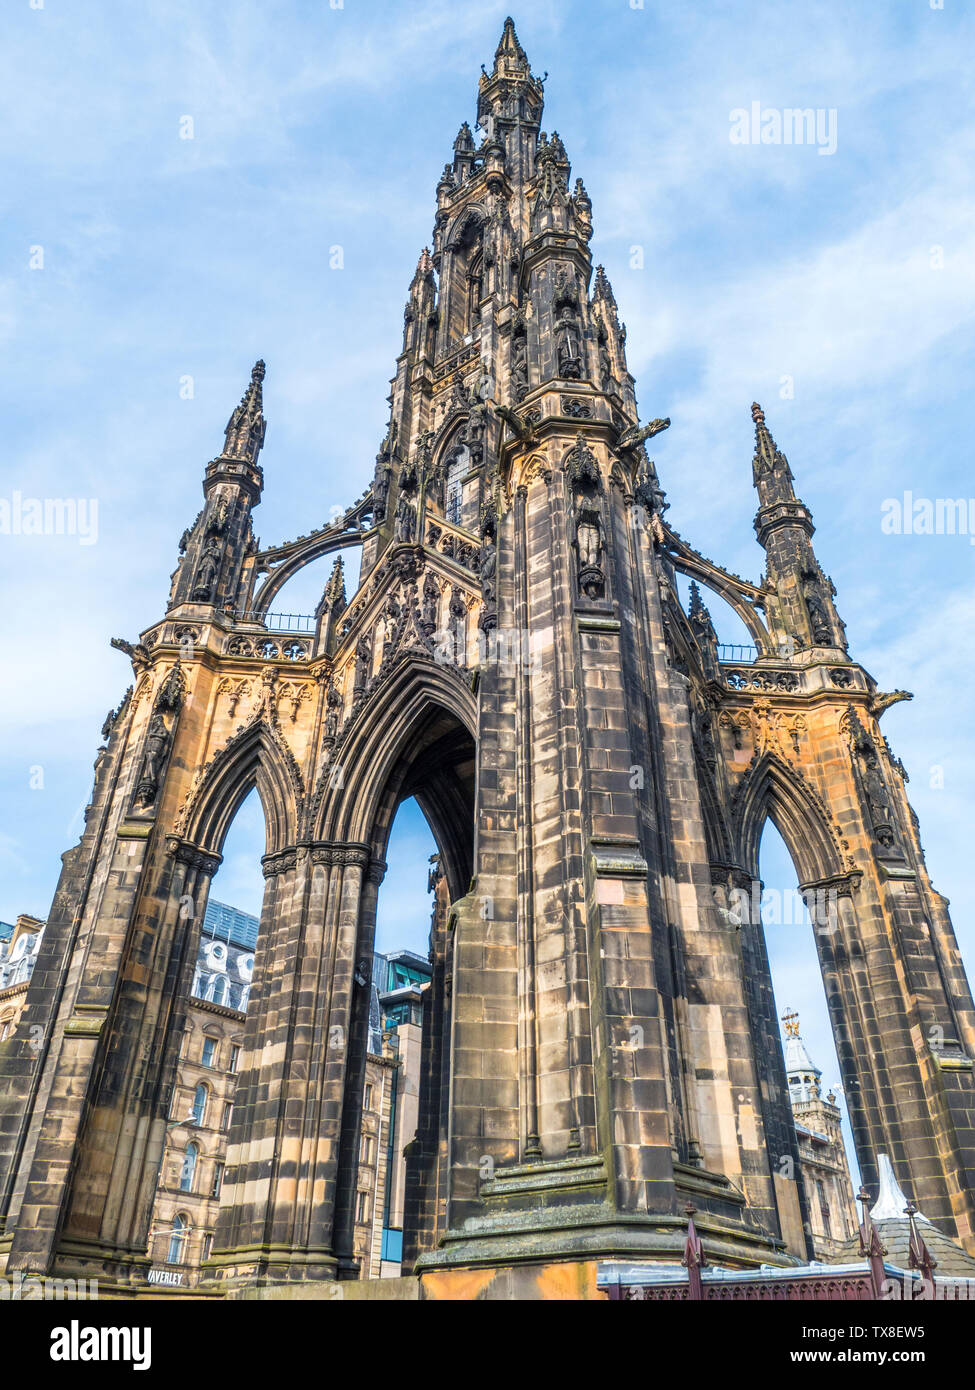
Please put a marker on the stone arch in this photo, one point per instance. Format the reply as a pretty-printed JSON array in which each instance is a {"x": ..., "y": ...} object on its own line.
[
  {"x": 463, "y": 244},
  {"x": 410, "y": 717},
  {"x": 256, "y": 757},
  {"x": 742, "y": 597},
  {"x": 775, "y": 791},
  {"x": 466, "y": 227},
  {"x": 295, "y": 558}
]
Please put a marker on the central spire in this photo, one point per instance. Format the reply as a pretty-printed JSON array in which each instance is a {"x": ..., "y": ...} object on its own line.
[
  {"x": 509, "y": 56},
  {"x": 510, "y": 91}
]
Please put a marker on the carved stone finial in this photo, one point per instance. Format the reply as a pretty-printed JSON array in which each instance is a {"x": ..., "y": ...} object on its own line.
[{"x": 246, "y": 427}]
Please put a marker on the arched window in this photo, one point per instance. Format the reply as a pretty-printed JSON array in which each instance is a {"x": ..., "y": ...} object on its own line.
[
  {"x": 458, "y": 466},
  {"x": 218, "y": 989},
  {"x": 200, "y": 1097},
  {"x": 188, "y": 1170},
  {"x": 177, "y": 1240}
]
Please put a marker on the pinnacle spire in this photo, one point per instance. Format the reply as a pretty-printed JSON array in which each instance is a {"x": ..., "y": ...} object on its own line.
[
  {"x": 510, "y": 92},
  {"x": 697, "y": 607},
  {"x": 769, "y": 461},
  {"x": 335, "y": 588},
  {"x": 246, "y": 427},
  {"x": 602, "y": 289},
  {"x": 509, "y": 52}
]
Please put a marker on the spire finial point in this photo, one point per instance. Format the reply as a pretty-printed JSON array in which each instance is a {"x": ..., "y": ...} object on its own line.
[{"x": 246, "y": 427}]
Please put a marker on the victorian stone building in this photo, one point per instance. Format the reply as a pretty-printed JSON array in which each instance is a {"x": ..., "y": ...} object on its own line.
[
  {"x": 822, "y": 1153},
  {"x": 19, "y": 942},
  {"x": 187, "y": 1200},
  {"x": 599, "y": 1033}
]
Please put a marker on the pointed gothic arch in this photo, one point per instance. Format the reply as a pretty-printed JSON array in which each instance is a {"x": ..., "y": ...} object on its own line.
[
  {"x": 256, "y": 757},
  {"x": 410, "y": 717},
  {"x": 775, "y": 791}
]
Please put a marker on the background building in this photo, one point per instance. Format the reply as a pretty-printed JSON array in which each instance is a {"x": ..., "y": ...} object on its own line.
[
  {"x": 188, "y": 1196},
  {"x": 400, "y": 979},
  {"x": 822, "y": 1153},
  {"x": 18, "y": 951},
  {"x": 191, "y": 1177}
]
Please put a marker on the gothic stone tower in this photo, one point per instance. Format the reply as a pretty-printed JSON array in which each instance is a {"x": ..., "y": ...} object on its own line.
[{"x": 601, "y": 1045}]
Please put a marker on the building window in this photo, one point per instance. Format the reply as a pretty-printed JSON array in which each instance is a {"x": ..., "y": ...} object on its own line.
[
  {"x": 228, "y": 1114},
  {"x": 362, "y": 1206},
  {"x": 365, "y": 1149},
  {"x": 367, "y": 1099},
  {"x": 188, "y": 1171},
  {"x": 200, "y": 1097},
  {"x": 454, "y": 495},
  {"x": 234, "y": 1057},
  {"x": 824, "y": 1209},
  {"x": 217, "y": 1182},
  {"x": 177, "y": 1240},
  {"x": 209, "y": 1053},
  {"x": 207, "y": 1245},
  {"x": 218, "y": 991},
  {"x": 5, "y": 1029}
]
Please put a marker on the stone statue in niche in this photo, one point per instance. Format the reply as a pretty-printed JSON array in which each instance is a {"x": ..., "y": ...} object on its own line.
[
  {"x": 333, "y": 705},
  {"x": 822, "y": 628},
  {"x": 391, "y": 617},
  {"x": 519, "y": 366},
  {"x": 879, "y": 801},
  {"x": 431, "y": 603},
  {"x": 867, "y": 766},
  {"x": 206, "y": 574},
  {"x": 158, "y": 743},
  {"x": 475, "y": 429},
  {"x": 218, "y": 521},
  {"x": 605, "y": 365},
  {"x": 381, "y": 493},
  {"x": 457, "y": 609},
  {"x": 487, "y": 569},
  {"x": 404, "y": 526},
  {"x": 589, "y": 549},
  {"x": 363, "y": 664},
  {"x": 568, "y": 343},
  {"x": 588, "y": 539}
]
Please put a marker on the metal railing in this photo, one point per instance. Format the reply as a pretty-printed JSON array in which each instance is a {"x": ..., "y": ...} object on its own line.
[
  {"x": 280, "y": 622},
  {"x": 730, "y": 652}
]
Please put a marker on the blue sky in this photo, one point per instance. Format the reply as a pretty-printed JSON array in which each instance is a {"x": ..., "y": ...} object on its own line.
[{"x": 167, "y": 258}]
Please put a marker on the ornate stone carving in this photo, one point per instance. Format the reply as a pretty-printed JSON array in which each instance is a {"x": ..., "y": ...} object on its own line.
[
  {"x": 868, "y": 770},
  {"x": 487, "y": 569},
  {"x": 207, "y": 571},
  {"x": 283, "y": 861},
  {"x": 404, "y": 525},
  {"x": 819, "y": 619},
  {"x": 589, "y": 549}
]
